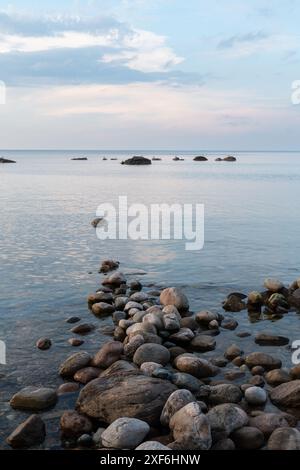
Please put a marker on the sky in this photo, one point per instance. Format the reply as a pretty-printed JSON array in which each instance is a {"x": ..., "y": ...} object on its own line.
[{"x": 149, "y": 74}]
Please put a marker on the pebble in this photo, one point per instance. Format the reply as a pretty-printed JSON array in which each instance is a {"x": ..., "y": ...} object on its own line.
[{"x": 44, "y": 344}]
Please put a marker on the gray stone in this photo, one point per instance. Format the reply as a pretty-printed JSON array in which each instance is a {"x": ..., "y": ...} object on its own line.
[
  {"x": 284, "y": 439},
  {"x": 186, "y": 381},
  {"x": 226, "y": 418},
  {"x": 125, "y": 433},
  {"x": 256, "y": 396},
  {"x": 151, "y": 352},
  {"x": 175, "y": 402},
  {"x": 225, "y": 393}
]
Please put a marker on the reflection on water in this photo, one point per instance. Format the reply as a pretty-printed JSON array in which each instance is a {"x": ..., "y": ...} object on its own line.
[{"x": 49, "y": 253}]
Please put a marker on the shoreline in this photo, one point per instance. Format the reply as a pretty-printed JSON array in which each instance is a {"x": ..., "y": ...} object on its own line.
[{"x": 157, "y": 327}]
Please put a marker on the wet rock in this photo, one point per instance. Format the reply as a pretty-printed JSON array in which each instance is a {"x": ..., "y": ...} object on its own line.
[
  {"x": 133, "y": 395},
  {"x": 278, "y": 302},
  {"x": 108, "y": 354},
  {"x": 138, "y": 315},
  {"x": 183, "y": 336},
  {"x": 86, "y": 374},
  {"x": 174, "y": 296},
  {"x": 188, "y": 322},
  {"x": 73, "y": 363},
  {"x": 238, "y": 361},
  {"x": 295, "y": 372},
  {"x": 203, "y": 343},
  {"x": 205, "y": 317},
  {"x": 284, "y": 439},
  {"x": 100, "y": 296},
  {"x": 255, "y": 396},
  {"x": 139, "y": 297},
  {"x": 294, "y": 299},
  {"x": 195, "y": 366},
  {"x": 268, "y": 422},
  {"x": 229, "y": 159},
  {"x": 186, "y": 381},
  {"x": 73, "y": 424},
  {"x": 30, "y": 432},
  {"x": 97, "y": 437},
  {"x": 255, "y": 298},
  {"x": 171, "y": 322},
  {"x": 119, "y": 334},
  {"x": 248, "y": 438},
  {"x": 6, "y": 160},
  {"x": 257, "y": 370},
  {"x": 191, "y": 428},
  {"x": 148, "y": 337},
  {"x": 226, "y": 418},
  {"x": 175, "y": 402},
  {"x": 273, "y": 285},
  {"x": 224, "y": 444},
  {"x": 234, "y": 374},
  {"x": 102, "y": 309},
  {"x": 69, "y": 387},
  {"x": 151, "y": 352},
  {"x": 108, "y": 265},
  {"x": 213, "y": 325},
  {"x": 75, "y": 342},
  {"x": 137, "y": 160},
  {"x": 33, "y": 398},
  {"x": 287, "y": 395},
  {"x": 73, "y": 320},
  {"x": 155, "y": 320},
  {"x": 132, "y": 305},
  {"x": 243, "y": 334},
  {"x": 219, "y": 361},
  {"x": 125, "y": 433},
  {"x": 200, "y": 158},
  {"x": 277, "y": 376},
  {"x": 225, "y": 393},
  {"x": 234, "y": 303},
  {"x": 118, "y": 315},
  {"x": 176, "y": 351},
  {"x": 120, "y": 303},
  {"x": 44, "y": 344},
  {"x": 257, "y": 381},
  {"x": 229, "y": 324},
  {"x": 267, "y": 361},
  {"x": 115, "y": 280},
  {"x": 137, "y": 286},
  {"x": 83, "y": 328},
  {"x": 232, "y": 352}
]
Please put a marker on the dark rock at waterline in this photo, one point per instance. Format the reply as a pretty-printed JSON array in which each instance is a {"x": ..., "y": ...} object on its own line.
[
  {"x": 133, "y": 395},
  {"x": 43, "y": 344},
  {"x": 203, "y": 343},
  {"x": 137, "y": 160},
  {"x": 234, "y": 302},
  {"x": 108, "y": 265},
  {"x": 174, "y": 296},
  {"x": 79, "y": 159},
  {"x": 229, "y": 159},
  {"x": 73, "y": 363},
  {"x": 268, "y": 339},
  {"x": 96, "y": 221},
  {"x": 68, "y": 387},
  {"x": 267, "y": 361},
  {"x": 102, "y": 309},
  {"x": 6, "y": 160},
  {"x": 83, "y": 328},
  {"x": 73, "y": 320},
  {"x": 200, "y": 158},
  {"x": 29, "y": 433}
]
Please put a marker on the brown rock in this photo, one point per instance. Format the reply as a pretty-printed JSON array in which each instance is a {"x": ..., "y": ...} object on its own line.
[
  {"x": 108, "y": 354},
  {"x": 73, "y": 424}
]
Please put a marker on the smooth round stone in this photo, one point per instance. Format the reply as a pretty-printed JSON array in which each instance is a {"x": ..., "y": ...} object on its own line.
[
  {"x": 108, "y": 354},
  {"x": 267, "y": 361},
  {"x": 273, "y": 285},
  {"x": 257, "y": 370},
  {"x": 284, "y": 439},
  {"x": 224, "y": 444},
  {"x": 268, "y": 339},
  {"x": 83, "y": 328},
  {"x": 243, "y": 334},
  {"x": 125, "y": 433},
  {"x": 176, "y": 351},
  {"x": 100, "y": 296},
  {"x": 146, "y": 327},
  {"x": 257, "y": 381},
  {"x": 194, "y": 365},
  {"x": 248, "y": 438},
  {"x": 186, "y": 381},
  {"x": 213, "y": 325},
  {"x": 174, "y": 296},
  {"x": 32, "y": 398},
  {"x": 134, "y": 343},
  {"x": 30, "y": 432},
  {"x": 205, "y": 317},
  {"x": 102, "y": 309},
  {"x": 188, "y": 322},
  {"x": 69, "y": 387},
  {"x": 295, "y": 372},
  {"x": 183, "y": 336},
  {"x": 119, "y": 334},
  {"x": 136, "y": 285},
  {"x": 147, "y": 368},
  {"x": 175, "y": 402},
  {"x": 44, "y": 344},
  {"x": 139, "y": 297},
  {"x": 234, "y": 374},
  {"x": 203, "y": 343},
  {"x": 73, "y": 363},
  {"x": 256, "y": 396},
  {"x": 255, "y": 297},
  {"x": 277, "y": 376},
  {"x": 155, "y": 320},
  {"x": 229, "y": 324},
  {"x": 219, "y": 361},
  {"x": 116, "y": 279},
  {"x": 225, "y": 393},
  {"x": 226, "y": 418},
  {"x": 120, "y": 302},
  {"x": 238, "y": 361},
  {"x": 85, "y": 440},
  {"x": 151, "y": 352},
  {"x": 131, "y": 304},
  {"x": 87, "y": 374},
  {"x": 286, "y": 395},
  {"x": 268, "y": 422},
  {"x": 162, "y": 373},
  {"x": 118, "y": 315},
  {"x": 75, "y": 342},
  {"x": 232, "y": 352}
]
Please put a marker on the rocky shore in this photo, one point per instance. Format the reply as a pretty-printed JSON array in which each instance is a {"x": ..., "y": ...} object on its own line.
[{"x": 150, "y": 386}]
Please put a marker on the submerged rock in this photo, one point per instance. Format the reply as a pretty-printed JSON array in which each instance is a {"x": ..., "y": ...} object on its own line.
[
  {"x": 268, "y": 339},
  {"x": 29, "y": 433},
  {"x": 32, "y": 398},
  {"x": 108, "y": 265},
  {"x": 44, "y": 344}
]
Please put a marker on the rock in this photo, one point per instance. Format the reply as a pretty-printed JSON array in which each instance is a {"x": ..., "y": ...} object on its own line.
[
  {"x": 138, "y": 315},
  {"x": 294, "y": 299},
  {"x": 277, "y": 376},
  {"x": 73, "y": 424},
  {"x": 102, "y": 309},
  {"x": 258, "y": 370},
  {"x": 6, "y": 160},
  {"x": 232, "y": 352},
  {"x": 194, "y": 365},
  {"x": 69, "y": 387},
  {"x": 29, "y": 433},
  {"x": 97, "y": 437},
  {"x": 234, "y": 374},
  {"x": 273, "y": 285},
  {"x": 85, "y": 440},
  {"x": 171, "y": 322},
  {"x": 33, "y": 398},
  {"x": 224, "y": 393},
  {"x": 257, "y": 381},
  {"x": 229, "y": 159},
  {"x": 200, "y": 158},
  {"x": 224, "y": 444},
  {"x": 267, "y": 339},
  {"x": 191, "y": 428},
  {"x": 268, "y": 422},
  {"x": 44, "y": 344},
  {"x": 120, "y": 303},
  {"x": 155, "y": 320},
  {"x": 255, "y": 298},
  {"x": 148, "y": 368},
  {"x": 152, "y": 445},
  {"x": 115, "y": 280},
  {"x": 176, "y": 351},
  {"x": 267, "y": 361},
  {"x": 278, "y": 302},
  {"x": 137, "y": 160},
  {"x": 139, "y": 297},
  {"x": 213, "y": 325},
  {"x": 119, "y": 334},
  {"x": 108, "y": 354},
  {"x": 229, "y": 324},
  {"x": 118, "y": 368},
  {"x": 134, "y": 343},
  {"x": 239, "y": 361},
  {"x": 183, "y": 336},
  {"x": 108, "y": 264},
  {"x": 162, "y": 373},
  {"x": 82, "y": 329},
  {"x": 205, "y": 317},
  {"x": 219, "y": 361},
  {"x": 132, "y": 395},
  {"x": 287, "y": 395},
  {"x": 73, "y": 320},
  {"x": 174, "y": 296},
  {"x": 132, "y": 305},
  {"x": 203, "y": 343},
  {"x": 118, "y": 315},
  {"x": 125, "y": 433},
  {"x": 295, "y": 372},
  {"x": 73, "y": 363},
  {"x": 175, "y": 402},
  {"x": 148, "y": 337},
  {"x": 75, "y": 342},
  {"x": 256, "y": 396},
  {"x": 248, "y": 438},
  {"x": 226, "y": 418},
  {"x": 234, "y": 303},
  {"x": 86, "y": 374},
  {"x": 100, "y": 296},
  {"x": 151, "y": 352},
  {"x": 186, "y": 381},
  {"x": 243, "y": 334},
  {"x": 284, "y": 439}
]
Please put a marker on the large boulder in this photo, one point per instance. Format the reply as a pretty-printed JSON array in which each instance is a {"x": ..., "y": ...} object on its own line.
[
  {"x": 125, "y": 433},
  {"x": 226, "y": 418},
  {"x": 284, "y": 439},
  {"x": 131, "y": 394},
  {"x": 30, "y": 432},
  {"x": 287, "y": 395},
  {"x": 34, "y": 398},
  {"x": 194, "y": 365},
  {"x": 73, "y": 363},
  {"x": 191, "y": 428},
  {"x": 267, "y": 361},
  {"x": 174, "y": 296}
]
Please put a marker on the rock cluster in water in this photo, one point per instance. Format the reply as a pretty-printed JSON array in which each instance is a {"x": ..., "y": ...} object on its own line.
[{"x": 152, "y": 388}]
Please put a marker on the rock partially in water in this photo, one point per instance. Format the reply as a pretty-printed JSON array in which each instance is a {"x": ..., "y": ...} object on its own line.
[
  {"x": 248, "y": 438},
  {"x": 205, "y": 317},
  {"x": 287, "y": 395},
  {"x": 115, "y": 280},
  {"x": 174, "y": 296},
  {"x": 151, "y": 352},
  {"x": 203, "y": 343},
  {"x": 226, "y": 418},
  {"x": 108, "y": 265},
  {"x": 133, "y": 396},
  {"x": 234, "y": 303},
  {"x": 125, "y": 433},
  {"x": 102, "y": 309},
  {"x": 30, "y": 432},
  {"x": 73, "y": 320},
  {"x": 108, "y": 354},
  {"x": 200, "y": 158},
  {"x": 83, "y": 328},
  {"x": 73, "y": 424},
  {"x": 175, "y": 402},
  {"x": 6, "y": 160},
  {"x": 267, "y": 361},
  {"x": 87, "y": 374},
  {"x": 44, "y": 344},
  {"x": 137, "y": 160},
  {"x": 75, "y": 342},
  {"x": 68, "y": 387},
  {"x": 182, "y": 337},
  {"x": 73, "y": 363},
  {"x": 273, "y": 285},
  {"x": 33, "y": 398},
  {"x": 195, "y": 366},
  {"x": 284, "y": 439},
  {"x": 268, "y": 339},
  {"x": 233, "y": 352},
  {"x": 191, "y": 428}
]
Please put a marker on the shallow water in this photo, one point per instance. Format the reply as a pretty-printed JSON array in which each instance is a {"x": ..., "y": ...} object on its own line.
[{"x": 50, "y": 254}]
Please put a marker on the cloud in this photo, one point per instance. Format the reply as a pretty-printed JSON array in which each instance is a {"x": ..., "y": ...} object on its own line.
[{"x": 234, "y": 41}]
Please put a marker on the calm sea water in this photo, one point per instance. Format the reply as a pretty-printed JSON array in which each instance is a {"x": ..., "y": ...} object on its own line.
[{"x": 50, "y": 255}]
